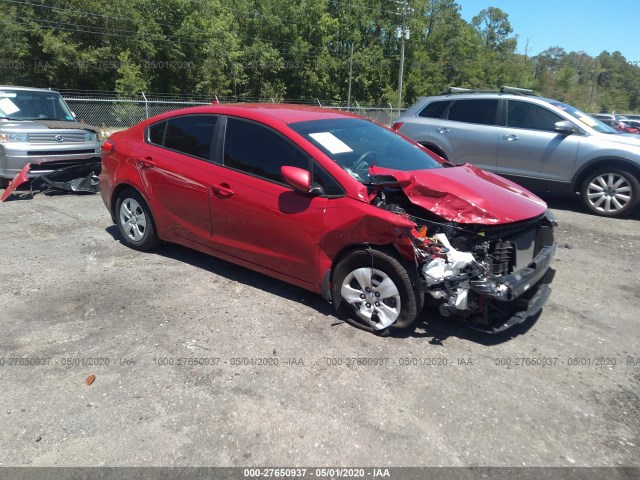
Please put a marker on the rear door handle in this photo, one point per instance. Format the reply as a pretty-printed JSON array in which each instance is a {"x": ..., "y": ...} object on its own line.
[
  {"x": 511, "y": 138},
  {"x": 223, "y": 189},
  {"x": 146, "y": 162},
  {"x": 442, "y": 130}
]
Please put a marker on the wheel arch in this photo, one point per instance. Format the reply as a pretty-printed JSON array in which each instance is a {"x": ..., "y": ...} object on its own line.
[
  {"x": 613, "y": 163},
  {"x": 389, "y": 249},
  {"x": 116, "y": 193},
  {"x": 435, "y": 149}
]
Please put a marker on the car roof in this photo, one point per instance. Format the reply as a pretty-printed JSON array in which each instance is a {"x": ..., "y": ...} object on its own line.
[
  {"x": 285, "y": 112},
  {"x": 423, "y": 101},
  {"x": 26, "y": 89},
  {"x": 454, "y": 96}
]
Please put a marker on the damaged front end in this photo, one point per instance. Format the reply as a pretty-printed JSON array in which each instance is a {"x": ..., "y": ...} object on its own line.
[{"x": 493, "y": 276}]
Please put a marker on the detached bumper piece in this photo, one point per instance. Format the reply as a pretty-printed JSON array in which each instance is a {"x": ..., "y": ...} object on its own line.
[
  {"x": 528, "y": 291},
  {"x": 524, "y": 308},
  {"x": 65, "y": 177}
]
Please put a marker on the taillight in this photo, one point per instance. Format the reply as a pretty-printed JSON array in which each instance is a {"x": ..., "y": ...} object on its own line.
[
  {"x": 107, "y": 146},
  {"x": 397, "y": 126}
]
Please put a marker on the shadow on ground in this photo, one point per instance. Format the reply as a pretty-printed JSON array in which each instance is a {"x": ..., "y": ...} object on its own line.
[
  {"x": 431, "y": 324},
  {"x": 238, "y": 274}
]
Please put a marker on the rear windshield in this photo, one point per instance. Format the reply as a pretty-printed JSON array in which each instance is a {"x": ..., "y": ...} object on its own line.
[{"x": 356, "y": 144}]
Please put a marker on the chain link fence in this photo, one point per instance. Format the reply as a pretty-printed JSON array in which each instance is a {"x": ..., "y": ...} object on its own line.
[
  {"x": 112, "y": 114},
  {"x": 382, "y": 115}
]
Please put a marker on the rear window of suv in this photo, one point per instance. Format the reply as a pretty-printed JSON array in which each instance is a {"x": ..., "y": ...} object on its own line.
[
  {"x": 434, "y": 109},
  {"x": 479, "y": 111}
]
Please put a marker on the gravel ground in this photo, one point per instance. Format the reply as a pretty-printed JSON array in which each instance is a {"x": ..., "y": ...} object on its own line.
[{"x": 198, "y": 362}]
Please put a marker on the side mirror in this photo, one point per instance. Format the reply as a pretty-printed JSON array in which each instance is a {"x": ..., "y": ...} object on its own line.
[
  {"x": 565, "y": 127},
  {"x": 299, "y": 179}
]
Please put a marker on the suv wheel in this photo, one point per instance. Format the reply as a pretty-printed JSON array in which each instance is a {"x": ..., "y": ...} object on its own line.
[{"x": 610, "y": 193}]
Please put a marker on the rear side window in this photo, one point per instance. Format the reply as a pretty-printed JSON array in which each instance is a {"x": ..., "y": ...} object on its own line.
[
  {"x": 156, "y": 133},
  {"x": 191, "y": 134},
  {"x": 259, "y": 151},
  {"x": 434, "y": 109},
  {"x": 480, "y": 111}
]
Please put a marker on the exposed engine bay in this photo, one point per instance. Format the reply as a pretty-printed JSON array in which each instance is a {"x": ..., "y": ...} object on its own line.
[{"x": 485, "y": 274}]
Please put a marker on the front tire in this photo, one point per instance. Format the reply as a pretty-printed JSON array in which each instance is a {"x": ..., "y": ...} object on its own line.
[
  {"x": 373, "y": 291},
  {"x": 610, "y": 193},
  {"x": 135, "y": 222}
]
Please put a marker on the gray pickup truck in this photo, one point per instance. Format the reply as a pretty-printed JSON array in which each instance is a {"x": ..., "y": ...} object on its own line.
[{"x": 37, "y": 127}]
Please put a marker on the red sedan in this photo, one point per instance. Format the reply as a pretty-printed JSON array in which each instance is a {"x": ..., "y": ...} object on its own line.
[
  {"x": 335, "y": 204},
  {"x": 620, "y": 126}
]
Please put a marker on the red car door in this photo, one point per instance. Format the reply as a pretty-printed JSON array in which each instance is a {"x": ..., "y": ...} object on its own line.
[
  {"x": 255, "y": 215},
  {"x": 176, "y": 171}
]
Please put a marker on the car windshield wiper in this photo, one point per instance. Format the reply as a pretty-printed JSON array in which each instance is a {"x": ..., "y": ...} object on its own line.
[
  {"x": 51, "y": 118},
  {"x": 4, "y": 117}
]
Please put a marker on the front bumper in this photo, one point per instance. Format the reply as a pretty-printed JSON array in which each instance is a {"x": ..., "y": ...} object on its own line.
[{"x": 516, "y": 284}]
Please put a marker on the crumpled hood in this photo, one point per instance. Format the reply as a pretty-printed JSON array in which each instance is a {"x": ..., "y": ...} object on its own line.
[{"x": 466, "y": 194}]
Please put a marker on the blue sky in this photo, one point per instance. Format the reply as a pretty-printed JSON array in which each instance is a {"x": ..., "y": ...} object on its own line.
[{"x": 591, "y": 26}]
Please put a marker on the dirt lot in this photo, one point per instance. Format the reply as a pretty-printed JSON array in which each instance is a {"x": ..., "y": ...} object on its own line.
[{"x": 199, "y": 362}]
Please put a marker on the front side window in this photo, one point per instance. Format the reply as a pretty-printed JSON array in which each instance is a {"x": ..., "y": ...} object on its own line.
[
  {"x": 530, "y": 116},
  {"x": 329, "y": 185},
  {"x": 254, "y": 149},
  {"x": 480, "y": 111}
]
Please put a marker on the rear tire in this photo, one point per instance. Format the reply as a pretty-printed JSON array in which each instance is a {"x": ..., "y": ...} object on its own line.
[
  {"x": 135, "y": 222},
  {"x": 610, "y": 193},
  {"x": 373, "y": 291}
]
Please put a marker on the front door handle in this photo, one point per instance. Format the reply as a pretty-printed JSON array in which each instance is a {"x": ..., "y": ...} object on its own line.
[
  {"x": 223, "y": 190},
  {"x": 146, "y": 162},
  {"x": 511, "y": 138}
]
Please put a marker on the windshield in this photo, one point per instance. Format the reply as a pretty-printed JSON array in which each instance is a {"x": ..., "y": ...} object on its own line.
[
  {"x": 584, "y": 118},
  {"x": 356, "y": 144},
  {"x": 30, "y": 105}
]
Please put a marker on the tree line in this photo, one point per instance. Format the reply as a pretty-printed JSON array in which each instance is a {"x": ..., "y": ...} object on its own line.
[{"x": 333, "y": 50}]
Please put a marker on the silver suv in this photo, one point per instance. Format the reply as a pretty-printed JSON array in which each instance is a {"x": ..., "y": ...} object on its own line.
[
  {"x": 542, "y": 144},
  {"x": 37, "y": 127}
]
